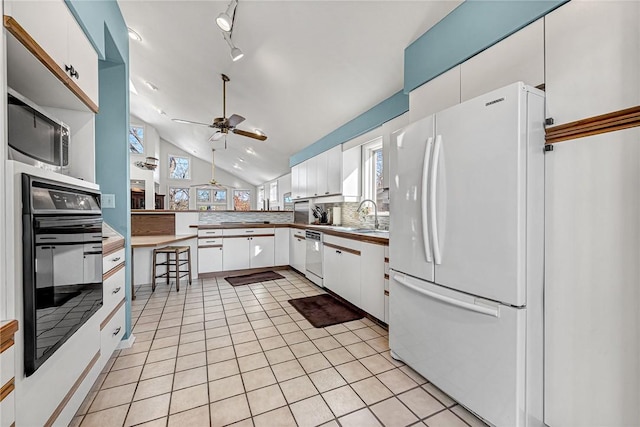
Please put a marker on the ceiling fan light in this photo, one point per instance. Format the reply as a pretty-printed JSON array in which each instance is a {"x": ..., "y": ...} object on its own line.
[
  {"x": 236, "y": 54},
  {"x": 134, "y": 35},
  {"x": 224, "y": 22}
]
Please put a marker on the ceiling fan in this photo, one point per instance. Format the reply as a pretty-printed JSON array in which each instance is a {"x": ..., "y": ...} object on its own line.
[{"x": 225, "y": 124}]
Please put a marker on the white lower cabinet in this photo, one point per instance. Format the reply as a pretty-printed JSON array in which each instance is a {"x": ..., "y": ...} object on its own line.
[
  {"x": 210, "y": 259},
  {"x": 281, "y": 246},
  {"x": 297, "y": 250},
  {"x": 111, "y": 334},
  {"x": 261, "y": 251},
  {"x": 235, "y": 253},
  {"x": 372, "y": 280}
]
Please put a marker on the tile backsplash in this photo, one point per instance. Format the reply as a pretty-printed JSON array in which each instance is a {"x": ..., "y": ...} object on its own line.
[
  {"x": 274, "y": 217},
  {"x": 351, "y": 218}
]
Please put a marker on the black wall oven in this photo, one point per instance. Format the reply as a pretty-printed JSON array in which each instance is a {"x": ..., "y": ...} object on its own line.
[{"x": 62, "y": 264}]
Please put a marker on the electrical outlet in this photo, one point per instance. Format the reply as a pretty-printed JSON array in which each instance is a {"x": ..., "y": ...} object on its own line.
[{"x": 108, "y": 201}]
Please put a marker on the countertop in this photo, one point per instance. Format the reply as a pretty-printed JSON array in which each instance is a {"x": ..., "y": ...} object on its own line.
[
  {"x": 111, "y": 239},
  {"x": 150, "y": 241},
  {"x": 380, "y": 237}
]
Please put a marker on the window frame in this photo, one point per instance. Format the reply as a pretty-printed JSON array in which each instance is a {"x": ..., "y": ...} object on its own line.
[
  {"x": 233, "y": 201},
  {"x": 188, "y": 158},
  {"x": 369, "y": 186},
  {"x": 142, "y": 142},
  {"x": 215, "y": 206},
  {"x": 170, "y": 199}
]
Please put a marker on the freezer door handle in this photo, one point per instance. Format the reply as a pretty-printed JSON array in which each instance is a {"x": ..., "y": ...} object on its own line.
[
  {"x": 424, "y": 198},
  {"x": 433, "y": 200},
  {"x": 490, "y": 311}
]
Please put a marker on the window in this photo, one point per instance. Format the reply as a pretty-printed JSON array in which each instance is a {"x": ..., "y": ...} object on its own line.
[
  {"x": 260, "y": 201},
  {"x": 178, "y": 167},
  {"x": 136, "y": 139},
  {"x": 178, "y": 198},
  {"x": 211, "y": 199},
  {"x": 242, "y": 200},
  {"x": 273, "y": 192},
  {"x": 373, "y": 169}
]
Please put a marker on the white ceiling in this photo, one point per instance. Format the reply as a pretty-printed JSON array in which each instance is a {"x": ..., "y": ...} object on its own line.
[{"x": 309, "y": 67}]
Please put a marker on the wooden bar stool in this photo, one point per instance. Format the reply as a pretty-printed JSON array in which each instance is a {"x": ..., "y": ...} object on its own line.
[{"x": 173, "y": 262}]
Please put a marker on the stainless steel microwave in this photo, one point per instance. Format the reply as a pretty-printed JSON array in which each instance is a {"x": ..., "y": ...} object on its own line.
[{"x": 35, "y": 137}]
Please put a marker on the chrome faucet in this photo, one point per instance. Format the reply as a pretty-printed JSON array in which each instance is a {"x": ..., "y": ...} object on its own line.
[{"x": 375, "y": 211}]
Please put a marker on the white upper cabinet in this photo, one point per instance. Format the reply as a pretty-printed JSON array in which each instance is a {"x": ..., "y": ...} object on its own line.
[
  {"x": 54, "y": 28},
  {"x": 334, "y": 170},
  {"x": 519, "y": 57},
  {"x": 592, "y": 56},
  {"x": 435, "y": 95},
  {"x": 352, "y": 172},
  {"x": 284, "y": 187},
  {"x": 312, "y": 177},
  {"x": 299, "y": 181},
  {"x": 322, "y": 187}
]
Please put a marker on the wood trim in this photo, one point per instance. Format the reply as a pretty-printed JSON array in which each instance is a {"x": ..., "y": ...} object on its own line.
[
  {"x": 113, "y": 271},
  {"x": 610, "y": 122},
  {"x": 45, "y": 59},
  {"x": 342, "y": 248},
  {"x": 248, "y": 235},
  {"x": 209, "y": 246},
  {"x": 52, "y": 419},
  {"x": 7, "y": 331},
  {"x": 386, "y": 259},
  {"x": 110, "y": 316},
  {"x": 153, "y": 225},
  {"x": 114, "y": 249},
  {"x": 7, "y": 388},
  {"x": 298, "y": 236},
  {"x": 386, "y": 276}
]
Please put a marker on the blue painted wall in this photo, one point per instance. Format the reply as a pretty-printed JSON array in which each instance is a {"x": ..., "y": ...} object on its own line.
[
  {"x": 469, "y": 29},
  {"x": 105, "y": 27}
]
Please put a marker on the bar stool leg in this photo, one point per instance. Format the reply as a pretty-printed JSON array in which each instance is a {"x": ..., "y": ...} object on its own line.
[
  {"x": 153, "y": 280},
  {"x": 168, "y": 254},
  {"x": 177, "y": 272},
  {"x": 189, "y": 265}
]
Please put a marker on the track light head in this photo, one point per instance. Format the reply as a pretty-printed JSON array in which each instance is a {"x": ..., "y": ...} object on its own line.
[
  {"x": 225, "y": 20},
  {"x": 236, "y": 54}
]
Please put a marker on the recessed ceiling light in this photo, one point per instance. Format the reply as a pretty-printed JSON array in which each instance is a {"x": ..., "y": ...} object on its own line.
[
  {"x": 133, "y": 35},
  {"x": 258, "y": 131},
  {"x": 250, "y": 150},
  {"x": 151, "y": 85},
  {"x": 236, "y": 166},
  {"x": 161, "y": 111},
  {"x": 241, "y": 159},
  {"x": 132, "y": 88}
]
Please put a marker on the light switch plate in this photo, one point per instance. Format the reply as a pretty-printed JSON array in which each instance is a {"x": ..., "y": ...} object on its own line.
[{"x": 108, "y": 201}]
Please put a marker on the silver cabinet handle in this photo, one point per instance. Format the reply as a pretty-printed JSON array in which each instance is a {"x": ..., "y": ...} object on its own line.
[
  {"x": 116, "y": 259},
  {"x": 116, "y": 290},
  {"x": 249, "y": 231},
  {"x": 117, "y": 331}
]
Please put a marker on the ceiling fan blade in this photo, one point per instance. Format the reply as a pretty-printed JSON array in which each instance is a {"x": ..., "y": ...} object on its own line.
[
  {"x": 234, "y": 120},
  {"x": 249, "y": 134},
  {"x": 189, "y": 122}
]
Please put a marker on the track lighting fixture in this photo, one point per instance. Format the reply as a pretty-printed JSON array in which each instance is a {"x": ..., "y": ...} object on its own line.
[{"x": 225, "y": 22}]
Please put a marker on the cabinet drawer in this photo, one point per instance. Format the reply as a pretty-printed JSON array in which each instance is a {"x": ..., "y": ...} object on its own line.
[
  {"x": 113, "y": 289},
  {"x": 112, "y": 260},
  {"x": 209, "y": 242},
  {"x": 112, "y": 332},
  {"x": 349, "y": 244},
  {"x": 247, "y": 231},
  {"x": 7, "y": 365},
  {"x": 210, "y": 232}
]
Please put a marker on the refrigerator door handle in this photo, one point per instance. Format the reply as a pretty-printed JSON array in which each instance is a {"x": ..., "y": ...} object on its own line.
[
  {"x": 424, "y": 198},
  {"x": 490, "y": 311},
  {"x": 433, "y": 200}
]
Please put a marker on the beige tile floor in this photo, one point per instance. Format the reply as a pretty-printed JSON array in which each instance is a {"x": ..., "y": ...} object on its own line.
[{"x": 216, "y": 355}]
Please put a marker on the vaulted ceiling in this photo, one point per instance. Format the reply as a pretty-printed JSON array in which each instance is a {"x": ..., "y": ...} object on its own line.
[{"x": 309, "y": 67}]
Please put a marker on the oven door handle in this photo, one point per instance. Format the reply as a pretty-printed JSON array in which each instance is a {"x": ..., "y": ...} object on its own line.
[{"x": 66, "y": 223}]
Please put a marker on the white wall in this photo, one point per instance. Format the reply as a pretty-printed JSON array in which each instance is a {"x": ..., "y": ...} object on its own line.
[{"x": 200, "y": 174}]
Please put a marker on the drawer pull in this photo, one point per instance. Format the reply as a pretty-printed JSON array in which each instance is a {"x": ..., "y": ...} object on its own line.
[
  {"x": 116, "y": 259},
  {"x": 117, "y": 331},
  {"x": 248, "y": 231},
  {"x": 116, "y": 290}
]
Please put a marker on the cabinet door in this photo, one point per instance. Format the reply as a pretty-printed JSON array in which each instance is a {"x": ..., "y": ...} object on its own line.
[
  {"x": 281, "y": 246},
  {"x": 350, "y": 277},
  {"x": 46, "y": 22},
  {"x": 372, "y": 280},
  {"x": 84, "y": 59},
  {"x": 312, "y": 177},
  {"x": 262, "y": 251},
  {"x": 322, "y": 186},
  {"x": 302, "y": 179},
  {"x": 592, "y": 59},
  {"x": 351, "y": 172},
  {"x": 295, "y": 183},
  {"x": 334, "y": 170},
  {"x": 210, "y": 259},
  {"x": 435, "y": 95},
  {"x": 235, "y": 253},
  {"x": 297, "y": 250},
  {"x": 331, "y": 261}
]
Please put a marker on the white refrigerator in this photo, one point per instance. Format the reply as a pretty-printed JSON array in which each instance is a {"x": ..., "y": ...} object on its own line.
[{"x": 466, "y": 253}]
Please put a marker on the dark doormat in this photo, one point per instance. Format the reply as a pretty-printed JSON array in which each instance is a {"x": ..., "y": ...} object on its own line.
[
  {"x": 324, "y": 310},
  {"x": 247, "y": 279}
]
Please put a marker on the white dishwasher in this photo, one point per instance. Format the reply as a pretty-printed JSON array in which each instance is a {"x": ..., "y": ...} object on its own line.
[{"x": 314, "y": 256}]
